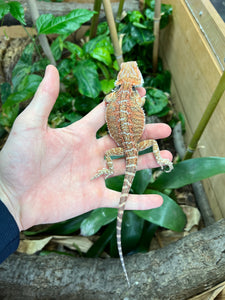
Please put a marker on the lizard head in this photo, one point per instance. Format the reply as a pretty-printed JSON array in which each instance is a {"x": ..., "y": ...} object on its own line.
[{"x": 129, "y": 73}]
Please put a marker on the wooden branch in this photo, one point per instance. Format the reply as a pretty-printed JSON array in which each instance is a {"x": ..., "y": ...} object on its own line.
[
  {"x": 178, "y": 271},
  {"x": 59, "y": 9}
]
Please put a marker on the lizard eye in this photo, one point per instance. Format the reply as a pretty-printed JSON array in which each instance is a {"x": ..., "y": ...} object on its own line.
[{"x": 133, "y": 88}]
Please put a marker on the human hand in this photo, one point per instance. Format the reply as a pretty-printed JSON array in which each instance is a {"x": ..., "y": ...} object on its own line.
[{"x": 45, "y": 173}]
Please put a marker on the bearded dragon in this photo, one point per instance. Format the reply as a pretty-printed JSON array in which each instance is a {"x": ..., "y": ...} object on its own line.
[{"x": 125, "y": 120}]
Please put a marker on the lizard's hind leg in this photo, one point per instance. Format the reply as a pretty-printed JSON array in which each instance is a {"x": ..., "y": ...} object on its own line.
[
  {"x": 161, "y": 161},
  {"x": 109, "y": 170}
]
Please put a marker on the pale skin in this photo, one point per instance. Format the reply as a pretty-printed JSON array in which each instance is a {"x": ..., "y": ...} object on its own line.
[{"x": 45, "y": 173}]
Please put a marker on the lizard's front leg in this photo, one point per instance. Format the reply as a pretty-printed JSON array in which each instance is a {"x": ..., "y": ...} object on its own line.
[
  {"x": 109, "y": 170},
  {"x": 161, "y": 161}
]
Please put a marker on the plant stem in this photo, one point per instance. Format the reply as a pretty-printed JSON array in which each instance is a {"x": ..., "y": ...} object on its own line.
[
  {"x": 206, "y": 117},
  {"x": 32, "y": 40},
  {"x": 113, "y": 32},
  {"x": 119, "y": 13},
  {"x": 94, "y": 21},
  {"x": 42, "y": 38},
  {"x": 157, "y": 17}
]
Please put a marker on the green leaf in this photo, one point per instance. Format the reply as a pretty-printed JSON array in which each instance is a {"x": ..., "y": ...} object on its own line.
[
  {"x": 65, "y": 67},
  {"x": 75, "y": 50},
  {"x": 61, "y": 228},
  {"x": 189, "y": 171},
  {"x": 141, "y": 181},
  {"x": 47, "y": 24},
  {"x": 135, "y": 16},
  {"x": 17, "y": 11},
  {"x": 5, "y": 91},
  {"x": 148, "y": 233},
  {"x": 27, "y": 90},
  {"x": 40, "y": 65},
  {"x": 84, "y": 104},
  {"x": 23, "y": 66},
  {"x": 4, "y": 9},
  {"x": 131, "y": 233},
  {"x": 57, "y": 46},
  {"x": 155, "y": 101},
  {"x": 87, "y": 77},
  {"x": 128, "y": 43},
  {"x": 102, "y": 54},
  {"x": 142, "y": 36},
  {"x": 99, "y": 246},
  {"x": 107, "y": 85},
  {"x": 8, "y": 115},
  {"x": 169, "y": 215},
  {"x": 98, "y": 218},
  {"x": 101, "y": 41}
]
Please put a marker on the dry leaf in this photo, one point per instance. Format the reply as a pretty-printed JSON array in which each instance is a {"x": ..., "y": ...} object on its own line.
[
  {"x": 33, "y": 246},
  {"x": 215, "y": 293},
  {"x": 193, "y": 216},
  {"x": 80, "y": 243}
]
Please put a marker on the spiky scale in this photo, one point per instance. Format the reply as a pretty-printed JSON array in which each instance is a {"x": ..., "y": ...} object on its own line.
[{"x": 126, "y": 120}]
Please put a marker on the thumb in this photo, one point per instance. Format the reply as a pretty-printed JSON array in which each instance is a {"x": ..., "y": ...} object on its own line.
[{"x": 40, "y": 107}]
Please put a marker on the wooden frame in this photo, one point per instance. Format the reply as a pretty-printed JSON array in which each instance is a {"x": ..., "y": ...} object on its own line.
[{"x": 192, "y": 48}]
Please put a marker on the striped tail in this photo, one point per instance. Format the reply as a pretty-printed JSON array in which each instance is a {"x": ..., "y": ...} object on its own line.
[{"x": 131, "y": 167}]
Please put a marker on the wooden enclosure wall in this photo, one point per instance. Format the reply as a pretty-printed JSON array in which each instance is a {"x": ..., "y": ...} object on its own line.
[{"x": 193, "y": 49}]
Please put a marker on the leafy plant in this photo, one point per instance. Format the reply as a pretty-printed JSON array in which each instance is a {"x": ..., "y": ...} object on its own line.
[{"x": 80, "y": 94}]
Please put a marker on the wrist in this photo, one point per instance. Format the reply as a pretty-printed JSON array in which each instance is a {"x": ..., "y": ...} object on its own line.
[{"x": 6, "y": 200}]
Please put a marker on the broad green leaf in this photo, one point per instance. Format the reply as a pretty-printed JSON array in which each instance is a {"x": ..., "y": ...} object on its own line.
[
  {"x": 23, "y": 66},
  {"x": 57, "y": 46},
  {"x": 99, "y": 246},
  {"x": 141, "y": 181},
  {"x": 132, "y": 227},
  {"x": 103, "y": 28},
  {"x": 102, "y": 54},
  {"x": 47, "y": 24},
  {"x": 87, "y": 78},
  {"x": 128, "y": 43},
  {"x": 155, "y": 101},
  {"x": 135, "y": 16},
  {"x": 84, "y": 104},
  {"x": 75, "y": 50},
  {"x": 4, "y": 9},
  {"x": 148, "y": 233},
  {"x": 161, "y": 81},
  {"x": 149, "y": 13},
  {"x": 64, "y": 67},
  {"x": 5, "y": 89},
  {"x": 101, "y": 41},
  {"x": 40, "y": 65},
  {"x": 107, "y": 85},
  {"x": 169, "y": 215},
  {"x": 8, "y": 115},
  {"x": 98, "y": 218},
  {"x": 142, "y": 36},
  {"x": 30, "y": 85},
  {"x": 17, "y": 11},
  {"x": 61, "y": 228},
  {"x": 189, "y": 171}
]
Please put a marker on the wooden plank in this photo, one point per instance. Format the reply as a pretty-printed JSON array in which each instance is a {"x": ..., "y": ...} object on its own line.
[
  {"x": 220, "y": 7},
  {"x": 212, "y": 26},
  {"x": 196, "y": 72}
]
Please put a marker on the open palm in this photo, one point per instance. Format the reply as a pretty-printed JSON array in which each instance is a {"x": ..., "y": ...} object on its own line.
[{"x": 45, "y": 173}]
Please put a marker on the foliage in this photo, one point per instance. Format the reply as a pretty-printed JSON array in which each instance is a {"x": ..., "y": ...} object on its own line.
[{"x": 87, "y": 72}]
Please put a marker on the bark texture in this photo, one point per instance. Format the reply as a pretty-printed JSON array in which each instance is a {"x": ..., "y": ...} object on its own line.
[{"x": 178, "y": 271}]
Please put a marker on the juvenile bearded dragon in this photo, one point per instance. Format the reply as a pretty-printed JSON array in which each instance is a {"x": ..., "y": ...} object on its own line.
[{"x": 126, "y": 120}]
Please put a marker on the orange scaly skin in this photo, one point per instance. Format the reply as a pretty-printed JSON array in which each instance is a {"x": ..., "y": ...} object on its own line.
[{"x": 126, "y": 120}]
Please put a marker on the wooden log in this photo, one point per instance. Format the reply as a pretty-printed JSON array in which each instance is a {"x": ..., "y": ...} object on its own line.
[
  {"x": 178, "y": 271},
  {"x": 59, "y": 9}
]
